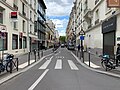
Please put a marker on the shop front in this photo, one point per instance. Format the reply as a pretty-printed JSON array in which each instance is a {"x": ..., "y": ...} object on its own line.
[{"x": 109, "y": 35}]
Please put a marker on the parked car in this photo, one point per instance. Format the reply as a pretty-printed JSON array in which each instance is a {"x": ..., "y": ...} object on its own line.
[{"x": 71, "y": 47}]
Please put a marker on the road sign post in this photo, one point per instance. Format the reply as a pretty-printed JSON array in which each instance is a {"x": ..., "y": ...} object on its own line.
[{"x": 82, "y": 33}]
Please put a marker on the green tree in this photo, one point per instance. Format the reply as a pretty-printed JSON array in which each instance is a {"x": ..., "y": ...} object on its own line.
[{"x": 62, "y": 39}]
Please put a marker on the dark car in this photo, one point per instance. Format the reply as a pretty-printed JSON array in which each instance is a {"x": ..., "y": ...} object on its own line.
[{"x": 62, "y": 45}]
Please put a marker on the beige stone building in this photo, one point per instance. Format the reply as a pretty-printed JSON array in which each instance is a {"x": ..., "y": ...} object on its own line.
[
  {"x": 17, "y": 23},
  {"x": 100, "y": 23}
]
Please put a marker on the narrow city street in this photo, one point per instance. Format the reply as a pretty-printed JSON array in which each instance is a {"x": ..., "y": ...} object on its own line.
[{"x": 61, "y": 71}]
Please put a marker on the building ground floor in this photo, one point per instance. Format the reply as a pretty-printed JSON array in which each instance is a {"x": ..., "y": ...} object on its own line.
[{"x": 104, "y": 36}]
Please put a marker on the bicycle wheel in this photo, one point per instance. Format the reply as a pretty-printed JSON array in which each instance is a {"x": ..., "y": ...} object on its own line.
[
  {"x": 8, "y": 66},
  {"x": 103, "y": 63},
  {"x": 106, "y": 65}
]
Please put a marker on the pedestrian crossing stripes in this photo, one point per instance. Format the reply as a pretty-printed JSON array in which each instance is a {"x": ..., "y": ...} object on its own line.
[
  {"x": 59, "y": 65},
  {"x": 45, "y": 65},
  {"x": 72, "y": 65}
]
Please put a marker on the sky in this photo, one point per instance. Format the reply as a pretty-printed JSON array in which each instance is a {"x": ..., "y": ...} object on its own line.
[{"x": 58, "y": 11}]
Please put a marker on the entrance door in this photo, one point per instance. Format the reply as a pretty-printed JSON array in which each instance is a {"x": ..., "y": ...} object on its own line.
[{"x": 109, "y": 43}]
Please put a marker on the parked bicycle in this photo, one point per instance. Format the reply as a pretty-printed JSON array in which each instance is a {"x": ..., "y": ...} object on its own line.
[
  {"x": 8, "y": 64},
  {"x": 107, "y": 62}
]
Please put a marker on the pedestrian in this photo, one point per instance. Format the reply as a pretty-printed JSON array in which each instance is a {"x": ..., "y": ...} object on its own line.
[
  {"x": 79, "y": 47},
  {"x": 117, "y": 54}
]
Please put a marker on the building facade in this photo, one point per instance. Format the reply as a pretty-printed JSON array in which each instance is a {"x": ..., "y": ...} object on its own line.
[
  {"x": 21, "y": 25},
  {"x": 51, "y": 31},
  {"x": 41, "y": 10},
  {"x": 100, "y": 23}
]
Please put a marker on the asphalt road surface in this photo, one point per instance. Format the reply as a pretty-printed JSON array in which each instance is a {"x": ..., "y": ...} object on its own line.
[{"x": 61, "y": 71}]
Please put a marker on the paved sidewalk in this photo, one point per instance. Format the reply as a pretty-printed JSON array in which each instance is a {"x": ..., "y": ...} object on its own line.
[
  {"x": 23, "y": 61},
  {"x": 95, "y": 62}
]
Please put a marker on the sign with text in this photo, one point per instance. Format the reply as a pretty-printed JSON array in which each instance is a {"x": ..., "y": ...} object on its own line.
[
  {"x": 14, "y": 15},
  {"x": 113, "y": 3}
]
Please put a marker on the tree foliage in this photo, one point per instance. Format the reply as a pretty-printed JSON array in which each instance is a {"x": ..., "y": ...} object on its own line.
[{"x": 62, "y": 39}]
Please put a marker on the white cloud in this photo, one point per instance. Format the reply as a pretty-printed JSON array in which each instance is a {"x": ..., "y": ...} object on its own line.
[{"x": 59, "y": 8}]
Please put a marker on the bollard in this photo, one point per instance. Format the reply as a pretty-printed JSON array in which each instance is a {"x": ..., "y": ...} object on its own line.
[
  {"x": 10, "y": 66},
  {"x": 28, "y": 58},
  {"x": 42, "y": 54},
  {"x": 38, "y": 55},
  {"x": 17, "y": 64},
  {"x": 89, "y": 57},
  {"x": 35, "y": 56},
  {"x": 83, "y": 56}
]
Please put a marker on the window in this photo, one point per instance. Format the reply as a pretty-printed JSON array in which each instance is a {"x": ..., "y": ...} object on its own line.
[
  {"x": 23, "y": 7},
  {"x": 23, "y": 26},
  {"x": 14, "y": 41},
  {"x": 24, "y": 42},
  {"x": 97, "y": 16},
  {"x": 3, "y": 42},
  {"x": 30, "y": 15},
  {"x": 30, "y": 28},
  {"x": 15, "y": 3},
  {"x": 1, "y": 16},
  {"x": 35, "y": 4},
  {"x": 15, "y": 25},
  {"x": 20, "y": 43}
]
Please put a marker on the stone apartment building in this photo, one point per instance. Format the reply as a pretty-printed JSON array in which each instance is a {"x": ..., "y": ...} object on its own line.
[
  {"x": 100, "y": 23},
  {"x": 20, "y": 31}
]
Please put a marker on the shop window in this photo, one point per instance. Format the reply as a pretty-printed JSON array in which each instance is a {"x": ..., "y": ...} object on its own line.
[{"x": 14, "y": 41}]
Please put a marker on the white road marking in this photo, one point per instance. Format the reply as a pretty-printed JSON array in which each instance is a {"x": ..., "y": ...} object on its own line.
[
  {"x": 38, "y": 80},
  {"x": 25, "y": 64},
  {"x": 45, "y": 65},
  {"x": 58, "y": 64},
  {"x": 92, "y": 64},
  {"x": 72, "y": 65}
]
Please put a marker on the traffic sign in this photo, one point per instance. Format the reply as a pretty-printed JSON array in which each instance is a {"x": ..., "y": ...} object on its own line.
[
  {"x": 82, "y": 32},
  {"x": 82, "y": 37}
]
